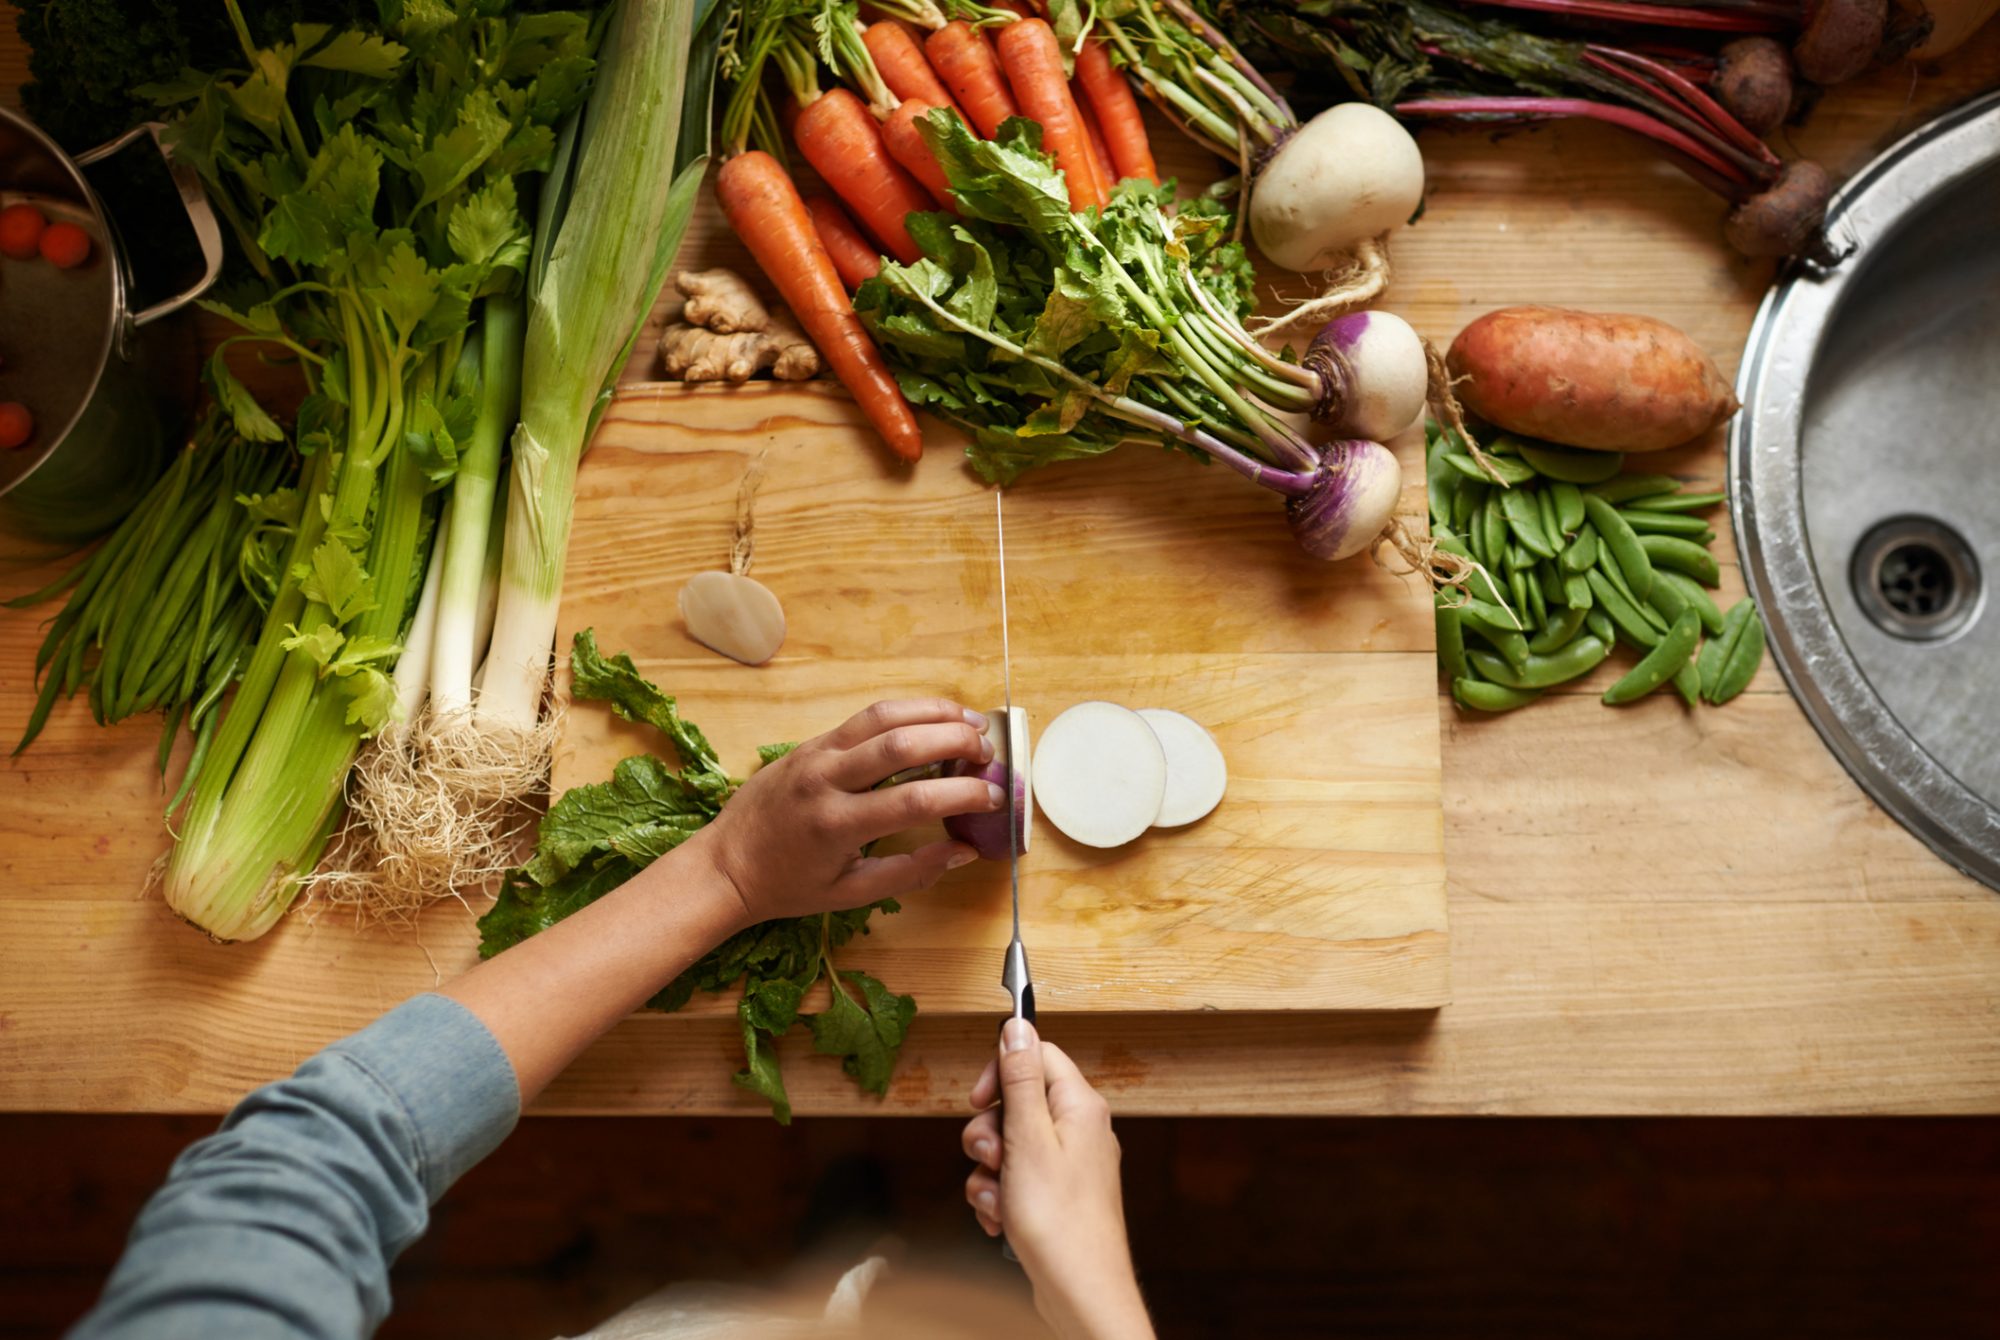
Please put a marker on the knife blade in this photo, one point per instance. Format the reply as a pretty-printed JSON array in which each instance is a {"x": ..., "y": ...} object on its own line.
[{"x": 1014, "y": 975}]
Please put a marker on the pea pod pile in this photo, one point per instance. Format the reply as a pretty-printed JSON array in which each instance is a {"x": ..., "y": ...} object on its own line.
[{"x": 1575, "y": 556}]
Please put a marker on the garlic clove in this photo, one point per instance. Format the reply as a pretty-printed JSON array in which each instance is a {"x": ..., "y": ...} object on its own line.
[{"x": 737, "y": 616}]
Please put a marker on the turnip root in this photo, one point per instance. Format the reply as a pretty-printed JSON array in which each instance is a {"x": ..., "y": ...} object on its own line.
[
  {"x": 1373, "y": 377},
  {"x": 1753, "y": 79},
  {"x": 1351, "y": 501},
  {"x": 1350, "y": 174},
  {"x": 1100, "y": 774},
  {"x": 1009, "y": 769},
  {"x": 1197, "y": 775},
  {"x": 1603, "y": 381},
  {"x": 1786, "y": 218},
  {"x": 1840, "y": 38}
]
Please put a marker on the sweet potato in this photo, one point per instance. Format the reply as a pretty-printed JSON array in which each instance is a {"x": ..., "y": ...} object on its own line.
[{"x": 1588, "y": 379}]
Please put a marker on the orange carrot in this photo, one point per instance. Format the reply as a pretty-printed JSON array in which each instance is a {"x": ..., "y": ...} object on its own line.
[
  {"x": 1110, "y": 98},
  {"x": 1032, "y": 58},
  {"x": 906, "y": 146},
  {"x": 764, "y": 209},
  {"x": 963, "y": 59},
  {"x": 836, "y": 134},
  {"x": 854, "y": 256},
  {"x": 1100, "y": 157},
  {"x": 903, "y": 66}
]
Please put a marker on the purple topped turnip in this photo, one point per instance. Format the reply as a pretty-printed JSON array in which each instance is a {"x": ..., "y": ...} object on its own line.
[{"x": 986, "y": 831}]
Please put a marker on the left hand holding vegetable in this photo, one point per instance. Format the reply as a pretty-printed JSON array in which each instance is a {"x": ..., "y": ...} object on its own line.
[{"x": 790, "y": 840}]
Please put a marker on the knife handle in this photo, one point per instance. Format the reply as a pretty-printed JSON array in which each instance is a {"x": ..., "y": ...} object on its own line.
[{"x": 1000, "y": 1112}]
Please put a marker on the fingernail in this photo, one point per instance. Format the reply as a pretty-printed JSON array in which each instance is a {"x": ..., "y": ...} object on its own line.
[
  {"x": 963, "y": 856},
  {"x": 1017, "y": 1036},
  {"x": 985, "y": 1200},
  {"x": 976, "y": 720},
  {"x": 983, "y": 1151},
  {"x": 996, "y": 795},
  {"x": 986, "y": 749}
]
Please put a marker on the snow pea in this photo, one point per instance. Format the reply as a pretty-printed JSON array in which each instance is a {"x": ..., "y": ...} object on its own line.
[
  {"x": 1559, "y": 631},
  {"x": 1483, "y": 697},
  {"x": 1518, "y": 559},
  {"x": 1600, "y": 625},
  {"x": 1576, "y": 593},
  {"x": 1670, "y": 551},
  {"x": 1517, "y": 585},
  {"x": 1504, "y": 469},
  {"x": 1512, "y": 645},
  {"x": 1450, "y": 639},
  {"x": 1538, "y": 605},
  {"x": 1569, "y": 506},
  {"x": 1662, "y": 523},
  {"x": 1552, "y": 529},
  {"x": 1441, "y": 485},
  {"x": 1627, "y": 487},
  {"x": 1687, "y": 683},
  {"x": 1571, "y": 466},
  {"x": 1703, "y": 603},
  {"x": 1682, "y": 502},
  {"x": 1493, "y": 533},
  {"x": 1608, "y": 566},
  {"x": 1578, "y": 658},
  {"x": 1615, "y": 534},
  {"x": 1660, "y": 664},
  {"x": 1552, "y": 583},
  {"x": 1624, "y": 616},
  {"x": 1525, "y": 521},
  {"x": 1582, "y": 551},
  {"x": 1465, "y": 500},
  {"x": 1728, "y": 670}
]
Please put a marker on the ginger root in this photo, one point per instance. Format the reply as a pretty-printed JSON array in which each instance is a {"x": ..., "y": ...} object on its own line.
[
  {"x": 696, "y": 355},
  {"x": 721, "y": 301},
  {"x": 727, "y": 334}
]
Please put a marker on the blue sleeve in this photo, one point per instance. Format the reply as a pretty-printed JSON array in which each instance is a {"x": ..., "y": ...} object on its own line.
[{"x": 284, "y": 1223}]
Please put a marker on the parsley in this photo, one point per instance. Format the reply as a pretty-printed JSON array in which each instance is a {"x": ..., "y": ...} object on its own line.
[{"x": 595, "y": 837}]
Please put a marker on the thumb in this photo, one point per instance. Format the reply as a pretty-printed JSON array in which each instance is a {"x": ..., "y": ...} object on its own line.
[{"x": 1024, "y": 1095}]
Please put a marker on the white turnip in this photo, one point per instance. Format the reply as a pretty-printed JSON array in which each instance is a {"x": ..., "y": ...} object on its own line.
[
  {"x": 1343, "y": 179},
  {"x": 1196, "y": 772},
  {"x": 1372, "y": 373},
  {"x": 1100, "y": 774}
]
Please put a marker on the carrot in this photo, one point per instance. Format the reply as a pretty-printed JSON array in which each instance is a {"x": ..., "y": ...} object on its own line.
[
  {"x": 763, "y": 207},
  {"x": 906, "y": 146},
  {"x": 903, "y": 66},
  {"x": 1117, "y": 111},
  {"x": 1100, "y": 157},
  {"x": 840, "y": 139},
  {"x": 963, "y": 59},
  {"x": 854, "y": 256},
  {"x": 1032, "y": 58}
]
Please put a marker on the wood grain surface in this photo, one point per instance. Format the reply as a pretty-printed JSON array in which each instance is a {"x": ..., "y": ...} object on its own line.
[
  {"x": 1139, "y": 578},
  {"x": 1651, "y": 910}
]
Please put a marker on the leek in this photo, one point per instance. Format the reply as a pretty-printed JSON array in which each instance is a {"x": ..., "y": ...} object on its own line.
[{"x": 599, "y": 268}]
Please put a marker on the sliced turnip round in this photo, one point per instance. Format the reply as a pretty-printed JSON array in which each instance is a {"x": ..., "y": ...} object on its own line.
[
  {"x": 986, "y": 833},
  {"x": 1100, "y": 774},
  {"x": 1196, "y": 773}
]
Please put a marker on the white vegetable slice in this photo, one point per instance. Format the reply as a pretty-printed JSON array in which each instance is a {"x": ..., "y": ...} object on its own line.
[
  {"x": 1100, "y": 774},
  {"x": 735, "y": 615},
  {"x": 1197, "y": 774}
]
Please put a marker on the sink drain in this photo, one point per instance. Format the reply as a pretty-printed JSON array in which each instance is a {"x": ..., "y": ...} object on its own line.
[{"x": 1915, "y": 578}]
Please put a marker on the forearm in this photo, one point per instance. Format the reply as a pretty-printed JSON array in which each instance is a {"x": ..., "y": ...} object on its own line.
[{"x": 551, "y": 996}]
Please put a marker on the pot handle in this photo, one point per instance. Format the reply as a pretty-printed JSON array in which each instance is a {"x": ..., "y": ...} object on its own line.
[{"x": 201, "y": 216}]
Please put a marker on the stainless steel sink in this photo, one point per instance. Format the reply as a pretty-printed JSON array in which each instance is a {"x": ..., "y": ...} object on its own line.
[{"x": 1865, "y": 477}]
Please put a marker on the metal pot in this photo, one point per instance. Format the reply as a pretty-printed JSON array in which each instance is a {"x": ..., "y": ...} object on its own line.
[{"x": 95, "y": 374}]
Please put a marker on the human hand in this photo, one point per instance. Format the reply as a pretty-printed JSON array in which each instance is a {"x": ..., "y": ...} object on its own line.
[
  {"x": 1049, "y": 1180},
  {"x": 789, "y": 841}
]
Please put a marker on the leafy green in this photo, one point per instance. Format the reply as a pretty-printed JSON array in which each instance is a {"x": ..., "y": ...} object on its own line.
[
  {"x": 1042, "y": 332},
  {"x": 596, "y": 837}
]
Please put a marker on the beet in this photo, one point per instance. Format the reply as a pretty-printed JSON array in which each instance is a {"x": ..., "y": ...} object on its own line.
[
  {"x": 1785, "y": 219},
  {"x": 1753, "y": 79},
  {"x": 1840, "y": 38}
]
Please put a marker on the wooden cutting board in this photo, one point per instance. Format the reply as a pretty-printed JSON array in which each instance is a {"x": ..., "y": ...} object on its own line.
[{"x": 1141, "y": 578}]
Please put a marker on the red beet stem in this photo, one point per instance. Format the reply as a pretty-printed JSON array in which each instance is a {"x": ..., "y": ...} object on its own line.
[
  {"x": 1694, "y": 96},
  {"x": 1735, "y": 19},
  {"x": 1721, "y": 175}
]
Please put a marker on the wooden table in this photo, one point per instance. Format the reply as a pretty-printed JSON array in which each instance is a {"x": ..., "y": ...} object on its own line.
[{"x": 1652, "y": 911}]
